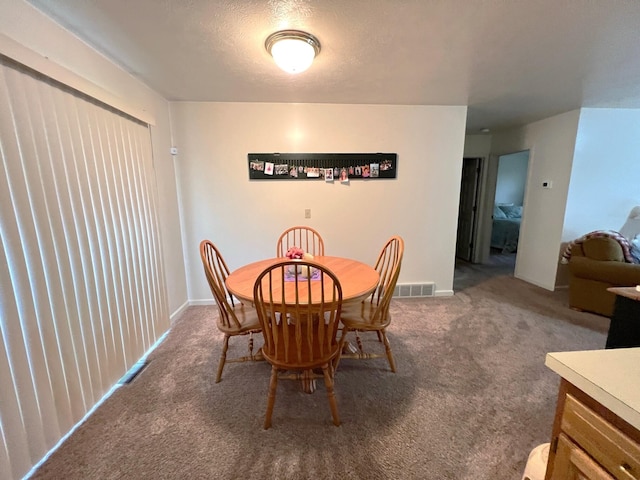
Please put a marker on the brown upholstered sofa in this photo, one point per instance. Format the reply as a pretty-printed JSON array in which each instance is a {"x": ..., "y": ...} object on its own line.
[{"x": 595, "y": 265}]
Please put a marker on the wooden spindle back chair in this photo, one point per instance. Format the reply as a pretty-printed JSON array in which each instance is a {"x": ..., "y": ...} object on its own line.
[
  {"x": 299, "y": 313},
  {"x": 373, "y": 313},
  {"x": 307, "y": 238},
  {"x": 234, "y": 317}
]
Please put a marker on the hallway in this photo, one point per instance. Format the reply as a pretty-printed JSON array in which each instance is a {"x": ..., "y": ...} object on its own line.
[{"x": 469, "y": 274}]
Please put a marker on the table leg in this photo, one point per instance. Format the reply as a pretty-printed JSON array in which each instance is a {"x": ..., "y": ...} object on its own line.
[
  {"x": 308, "y": 381},
  {"x": 307, "y": 378},
  {"x": 348, "y": 348}
]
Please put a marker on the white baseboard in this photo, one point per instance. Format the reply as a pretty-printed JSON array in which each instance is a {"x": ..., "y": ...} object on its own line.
[
  {"x": 444, "y": 293},
  {"x": 187, "y": 304},
  {"x": 534, "y": 282},
  {"x": 195, "y": 303},
  {"x": 178, "y": 312}
]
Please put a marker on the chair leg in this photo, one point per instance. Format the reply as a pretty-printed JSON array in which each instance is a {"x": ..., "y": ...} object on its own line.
[
  {"x": 359, "y": 342},
  {"x": 379, "y": 336},
  {"x": 328, "y": 381},
  {"x": 223, "y": 357},
  {"x": 271, "y": 399},
  {"x": 341, "y": 342},
  {"x": 250, "y": 345},
  {"x": 387, "y": 347}
]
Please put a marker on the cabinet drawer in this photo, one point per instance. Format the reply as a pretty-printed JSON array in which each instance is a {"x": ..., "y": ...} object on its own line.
[
  {"x": 572, "y": 463},
  {"x": 611, "y": 448}
]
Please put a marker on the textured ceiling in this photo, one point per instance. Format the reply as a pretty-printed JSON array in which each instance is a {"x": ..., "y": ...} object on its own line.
[{"x": 511, "y": 61}]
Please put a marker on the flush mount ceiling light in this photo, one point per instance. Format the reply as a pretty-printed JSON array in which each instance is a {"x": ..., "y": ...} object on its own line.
[{"x": 292, "y": 50}]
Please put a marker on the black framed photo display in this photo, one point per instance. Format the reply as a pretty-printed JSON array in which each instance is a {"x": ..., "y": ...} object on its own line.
[{"x": 329, "y": 167}]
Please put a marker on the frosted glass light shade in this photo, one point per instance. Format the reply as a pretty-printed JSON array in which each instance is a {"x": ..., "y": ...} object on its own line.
[
  {"x": 293, "y": 50},
  {"x": 293, "y": 55}
]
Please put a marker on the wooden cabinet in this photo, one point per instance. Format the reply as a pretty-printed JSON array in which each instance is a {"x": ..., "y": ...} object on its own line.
[
  {"x": 590, "y": 442},
  {"x": 573, "y": 463}
]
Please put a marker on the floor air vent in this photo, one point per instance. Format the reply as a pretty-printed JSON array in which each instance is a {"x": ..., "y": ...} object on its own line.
[
  {"x": 133, "y": 372},
  {"x": 414, "y": 290}
]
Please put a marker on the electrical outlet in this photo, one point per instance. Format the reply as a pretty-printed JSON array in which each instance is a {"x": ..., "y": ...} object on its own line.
[{"x": 307, "y": 213}]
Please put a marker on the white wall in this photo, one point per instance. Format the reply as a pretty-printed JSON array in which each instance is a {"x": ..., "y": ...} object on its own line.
[
  {"x": 512, "y": 178},
  {"x": 244, "y": 218},
  {"x": 26, "y": 25},
  {"x": 551, "y": 143},
  {"x": 605, "y": 179}
]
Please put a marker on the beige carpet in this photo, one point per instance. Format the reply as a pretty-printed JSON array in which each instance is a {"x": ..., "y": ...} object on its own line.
[{"x": 470, "y": 400}]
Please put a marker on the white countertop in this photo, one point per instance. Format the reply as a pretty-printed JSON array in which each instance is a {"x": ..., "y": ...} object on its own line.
[{"x": 611, "y": 377}]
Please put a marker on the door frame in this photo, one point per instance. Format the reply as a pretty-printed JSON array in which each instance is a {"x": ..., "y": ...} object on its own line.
[{"x": 475, "y": 211}]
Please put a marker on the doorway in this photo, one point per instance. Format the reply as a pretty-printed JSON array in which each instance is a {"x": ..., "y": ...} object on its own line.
[
  {"x": 485, "y": 183},
  {"x": 508, "y": 207}
]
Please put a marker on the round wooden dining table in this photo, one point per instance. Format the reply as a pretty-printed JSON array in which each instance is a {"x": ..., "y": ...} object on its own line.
[{"x": 357, "y": 279}]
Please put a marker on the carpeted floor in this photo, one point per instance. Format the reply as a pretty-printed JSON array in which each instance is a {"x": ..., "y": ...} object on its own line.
[{"x": 470, "y": 400}]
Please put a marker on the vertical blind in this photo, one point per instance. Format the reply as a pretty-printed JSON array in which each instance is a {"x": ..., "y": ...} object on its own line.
[{"x": 82, "y": 292}]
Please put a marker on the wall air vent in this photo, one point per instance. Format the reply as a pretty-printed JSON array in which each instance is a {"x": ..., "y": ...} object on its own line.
[
  {"x": 415, "y": 290},
  {"x": 133, "y": 372}
]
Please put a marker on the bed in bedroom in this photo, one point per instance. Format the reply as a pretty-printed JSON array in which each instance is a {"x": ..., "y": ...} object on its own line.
[{"x": 506, "y": 227}]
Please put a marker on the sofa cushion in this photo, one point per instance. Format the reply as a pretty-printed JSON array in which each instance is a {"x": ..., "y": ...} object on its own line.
[
  {"x": 603, "y": 248},
  {"x": 613, "y": 235},
  {"x": 614, "y": 274}
]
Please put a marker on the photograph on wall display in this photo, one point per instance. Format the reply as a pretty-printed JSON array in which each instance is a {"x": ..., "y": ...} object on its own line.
[
  {"x": 268, "y": 168},
  {"x": 293, "y": 172},
  {"x": 344, "y": 175},
  {"x": 257, "y": 165},
  {"x": 375, "y": 170},
  {"x": 282, "y": 169},
  {"x": 328, "y": 174},
  {"x": 313, "y": 172}
]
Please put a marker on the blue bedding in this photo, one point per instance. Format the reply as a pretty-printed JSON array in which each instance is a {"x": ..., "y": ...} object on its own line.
[{"x": 505, "y": 233}]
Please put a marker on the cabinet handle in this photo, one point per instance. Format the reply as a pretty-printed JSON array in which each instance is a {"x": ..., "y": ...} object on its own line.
[{"x": 626, "y": 469}]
